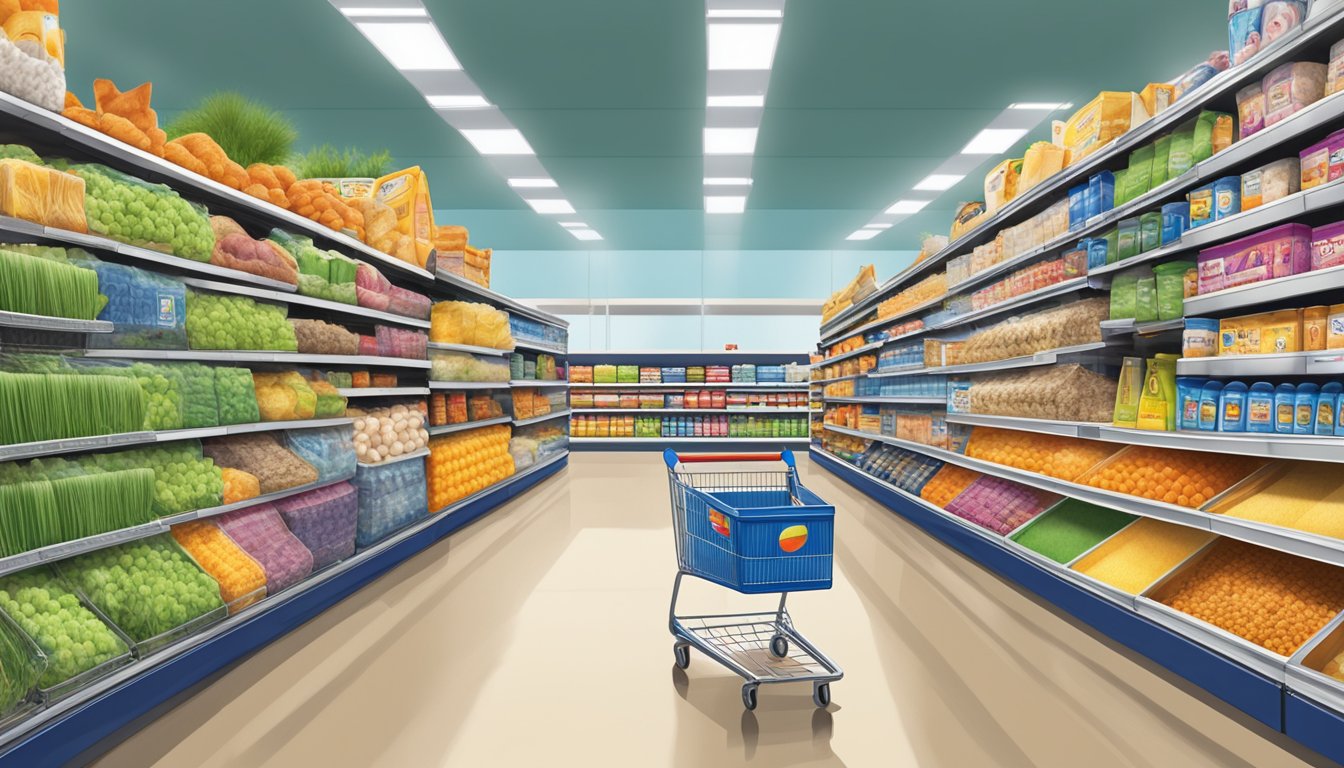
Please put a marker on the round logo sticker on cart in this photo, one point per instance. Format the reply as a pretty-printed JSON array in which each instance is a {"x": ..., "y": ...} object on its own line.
[{"x": 793, "y": 538}]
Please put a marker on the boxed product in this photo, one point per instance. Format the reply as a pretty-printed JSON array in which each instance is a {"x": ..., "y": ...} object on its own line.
[
  {"x": 1292, "y": 87},
  {"x": 390, "y": 496},
  {"x": 1251, "y": 109},
  {"x": 1001, "y": 184},
  {"x": 1279, "y": 252},
  {"x": 1327, "y": 246},
  {"x": 324, "y": 520},
  {"x": 1270, "y": 182},
  {"x": 262, "y": 533},
  {"x": 1263, "y": 333},
  {"x": 1322, "y": 161},
  {"x": 1101, "y": 121}
]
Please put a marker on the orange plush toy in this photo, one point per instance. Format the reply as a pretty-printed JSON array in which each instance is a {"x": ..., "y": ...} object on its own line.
[{"x": 125, "y": 116}]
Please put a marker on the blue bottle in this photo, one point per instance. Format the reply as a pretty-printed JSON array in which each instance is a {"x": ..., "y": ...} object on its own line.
[
  {"x": 1208, "y": 406},
  {"x": 1326, "y": 406},
  {"x": 1304, "y": 409},
  {"x": 1260, "y": 407},
  {"x": 1232, "y": 408},
  {"x": 1285, "y": 402},
  {"x": 1187, "y": 402}
]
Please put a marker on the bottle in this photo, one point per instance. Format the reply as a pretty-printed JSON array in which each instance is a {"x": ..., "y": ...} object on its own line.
[
  {"x": 1208, "y": 406},
  {"x": 1232, "y": 408},
  {"x": 1326, "y": 406},
  {"x": 1128, "y": 392},
  {"x": 1260, "y": 407},
  {"x": 1157, "y": 404},
  {"x": 1187, "y": 402},
  {"x": 1304, "y": 409},
  {"x": 1285, "y": 396}
]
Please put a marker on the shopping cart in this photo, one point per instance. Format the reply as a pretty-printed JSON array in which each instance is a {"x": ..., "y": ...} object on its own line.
[{"x": 753, "y": 532}]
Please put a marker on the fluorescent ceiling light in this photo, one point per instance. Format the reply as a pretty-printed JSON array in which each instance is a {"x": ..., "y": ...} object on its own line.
[
  {"x": 498, "y": 141},
  {"x": 462, "y": 101},
  {"x": 730, "y": 141},
  {"x": 939, "y": 182},
  {"x": 725, "y": 203},
  {"x": 410, "y": 45},
  {"x": 735, "y": 101},
  {"x": 742, "y": 46},
  {"x": 864, "y": 234},
  {"x": 1040, "y": 106},
  {"x": 727, "y": 181},
  {"x": 573, "y": 225},
  {"x": 908, "y": 206},
  {"x": 541, "y": 183},
  {"x": 993, "y": 141},
  {"x": 744, "y": 13},
  {"x": 585, "y": 234},
  {"x": 549, "y": 205},
  {"x": 878, "y": 225},
  {"x": 387, "y": 13}
]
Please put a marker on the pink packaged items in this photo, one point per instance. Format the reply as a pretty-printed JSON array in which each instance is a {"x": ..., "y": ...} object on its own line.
[
  {"x": 373, "y": 291},
  {"x": 1279, "y": 252},
  {"x": 262, "y": 534},
  {"x": 1292, "y": 87},
  {"x": 1323, "y": 161},
  {"x": 1327, "y": 246},
  {"x": 400, "y": 342},
  {"x": 1000, "y": 505},
  {"x": 325, "y": 521}
]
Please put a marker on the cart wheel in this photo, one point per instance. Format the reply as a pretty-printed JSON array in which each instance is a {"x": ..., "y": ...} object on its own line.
[
  {"x": 821, "y": 695},
  {"x": 749, "y": 696},
  {"x": 779, "y": 646},
  {"x": 683, "y": 654}
]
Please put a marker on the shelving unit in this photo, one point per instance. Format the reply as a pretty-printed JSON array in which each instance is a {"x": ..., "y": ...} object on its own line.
[
  {"x": 541, "y": 419},
  {"x": 447, "y": 429}
]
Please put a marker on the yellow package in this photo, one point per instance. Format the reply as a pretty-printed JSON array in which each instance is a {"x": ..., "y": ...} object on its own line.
[
  {"x": 407, "y": 193},
  {"x": 1041, "y": 161},
  {"x": 1237, "y": 336},
  {"x": 968, "y": 217},
  {"x": 1334, "y": 327},
  {"x": 43, "y": 195},
  {"x": 1001, "y": 184},
  {"x": 1156, "y": 97},
  {"x": 1280, "y": 331},
  {"x": 37, "y": 34},
  {"x": 1101, "y": 121}
]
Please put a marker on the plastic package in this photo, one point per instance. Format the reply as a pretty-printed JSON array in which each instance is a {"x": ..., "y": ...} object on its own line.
[
  {"x": 38, "y": 280},
  {"x": 1070, "y": 325},
  {"x": 1000, "y": 505},
  {"x": 478, "y": 325},
  {"x": 176, "y": 226},
  {"x": 390, "y": 498},
  {"x": 330, "y": 402},
  {"x": 217, "y": 321},
  {"x": 466, "y": 367},
  {"x": 147, "y": 310},
  {"x": 184, "y": 479},
  {"x": 1244, "y": 34},
  {"x": 1270, "y": 182},
  {"x": 322, "y": 274},
  {"x": 261, "y": 454},
  {"x": 372, "y": 290},
  {"x": 324, "y": 519},
  {"x": 401, "y": 342},
  {"x": 235, "y": 249},
  {"x": 318, "y": 337},
  {"x": 46, "y": 196},
  {"x": 200, "y": 405},
  {"x": 239, "y": 485},
  {"x": 1292, "y": 87},
  {"x": 464, "y": 463},
  {"x": 1282, "y": 251},
  {"x": 1145, "y": 297},
  {"x": 330, "y": 451},
  {"x": 1251, "y": 109},
  {"x": 74, "y": 640},
  {"x": 388, "y": 433},
  {"x": 1064, "y": 392},
  {"x": 241, "y": 579},
  {"x": 33, "y": 65},
  {"x": 236, "y": 395},
  {"x": 284, "y": 396},
  {"x": 1124, "y": 295},
  {"x": 1322, "y": 161},
  {"x": 1171, "y": 288},
  {"x": 261, "y": 533}
]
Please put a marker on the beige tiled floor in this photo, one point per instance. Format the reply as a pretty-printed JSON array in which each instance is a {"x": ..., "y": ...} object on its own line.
[{"x": 539, "y": 637}]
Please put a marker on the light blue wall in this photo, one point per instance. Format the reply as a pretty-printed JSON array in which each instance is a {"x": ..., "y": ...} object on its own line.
[{"x": 598, "y": 275}]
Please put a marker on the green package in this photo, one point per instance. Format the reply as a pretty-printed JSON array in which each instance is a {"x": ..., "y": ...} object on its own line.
[
  {"x": 1124, "y": 293},
  {"x": 1213, "y": 131},
  {"x": 1123, "y": 193},
  {"x": 1127, "y": 393},
  {"x": 1179, "y": 159},
  {"x": 1145, "y": 298},
  {"x": 1140, "y": 175},
  {"x": 1161, "y": 156},
  {"x": 1112, "y": 239},
  {"x": 1171, "y": 288},
  {"x": 1150, "y": 231},
  {"x": 1127, "y": 238}
]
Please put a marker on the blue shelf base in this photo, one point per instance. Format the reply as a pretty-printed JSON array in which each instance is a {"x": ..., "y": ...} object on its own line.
[
  {"x": 99, "y": 724},
  {"x": 1252, "y": 693},
  {"x": 1315, "y": 726},
  {"x": 706, "y": 445}
]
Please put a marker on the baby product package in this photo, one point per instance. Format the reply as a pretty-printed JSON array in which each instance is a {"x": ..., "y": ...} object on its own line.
[{"x": 1101, "y": 121}]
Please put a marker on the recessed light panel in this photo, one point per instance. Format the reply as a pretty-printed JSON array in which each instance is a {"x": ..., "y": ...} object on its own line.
[
  {"x": 907, "y": 206},
  {"x": 541, "y": 183},
  {"x": 864, "y": 234},
  {"x": 939, "y": 182},
  {"x": 498, "y": 141},
  {"x": 1046, "y": 106},
  {"x": 459, "y": 101},
  {"x": 585, "y": 234},
  {"x": 573, "y": 225},
  {"x": 735, "y": 101},
  {"x": 994, "y": 141},
  {"x": 549, "y": 205},
  {"x": 727, "y": 181},
  {"x": 385, "y": 13},
  {"x": 742, "y": 46},
  {"x": 725, "y": 203},
  {"x": 730, "y": 141},
  {"x": 744, "y": 13},
  {"x": 410, "y": 45}
]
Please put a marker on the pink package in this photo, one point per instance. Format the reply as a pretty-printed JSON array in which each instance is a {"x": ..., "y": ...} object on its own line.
[
  {"x": 262, "y": 534},
  {"x": 1292, "y": 87},
  {"x": 368, "y": 345},
  {"x": 1327, "y": 246},
  {"x": 400, "y": 342},
  {"x": 1323, "y": 161},
  {"x": 375, "y": 292},
  {"x": 324, "y": 520},
  {"x": 1279, "y": 252},
  {"x": 1000, "y": 505}
]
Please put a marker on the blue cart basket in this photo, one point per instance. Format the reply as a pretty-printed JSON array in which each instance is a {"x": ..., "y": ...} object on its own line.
[{"x": 754, "y": 532}]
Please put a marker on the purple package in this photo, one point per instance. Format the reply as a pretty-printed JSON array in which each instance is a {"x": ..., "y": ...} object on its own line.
[
  {"x": 1279, "y": 252},
  {"x": 1327, "y": 246},
  {"x": 261, "y": 533},
  {"x": 1291, "y": 245},
  {"x": 324, "y": 520}
]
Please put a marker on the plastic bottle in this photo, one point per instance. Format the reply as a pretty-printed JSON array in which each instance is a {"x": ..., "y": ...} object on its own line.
[
  {"x": 1260, "y": 407},
  {"x": 1127, "y": 393},
  {"x": 1285, "y": 397},
  {"x": 1304, "y": 409},
  {"x": 1208, "y": 406},
  {"x": 1326, "y": 406},
  {"x": 1187, "y": 402},
  {"x": 1232, "y": 408}
]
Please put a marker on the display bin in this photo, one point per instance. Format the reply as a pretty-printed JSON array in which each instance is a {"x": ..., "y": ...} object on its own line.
[
  {"x": 54, "y": 688},
  {"x": 391, "y": 497},
  {"x": 263, "y": 535},
  {"x": 137, "y": 618},
  {"x": 325, "y": 520},
  {"x": 247, "y": 575},
  {"x": 454, "y": 366},
  {"x": 24, "y": 663},
  {"x": 331, "y": 450},
  {"x": 1306, "y": 672},
  {"x": 1067, "y": 506}
]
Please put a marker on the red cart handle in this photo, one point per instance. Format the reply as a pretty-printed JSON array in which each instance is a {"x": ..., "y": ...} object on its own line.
[{"x": 670, "y": 456}]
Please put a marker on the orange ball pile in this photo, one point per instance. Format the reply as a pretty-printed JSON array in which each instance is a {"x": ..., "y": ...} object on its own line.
[
  {"x": 463, "y": 463},
  {"x": 226, "y": 562},
  {"x": 1184, "y": 478},
  {"x": 1065, "y": 458},
  {"x": 1271, "y": 598},
  {"x": 948, "y": 484}
]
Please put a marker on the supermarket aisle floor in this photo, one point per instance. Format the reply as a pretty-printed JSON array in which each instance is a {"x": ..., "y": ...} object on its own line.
[{"x": 538, "y": 637}]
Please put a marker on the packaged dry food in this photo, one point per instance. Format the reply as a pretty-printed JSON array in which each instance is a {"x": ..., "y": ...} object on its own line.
[
  {"x": 1064, "y": 392},
  {"x": 1001, "y": 184},
  {"x": 1327, "y": 245},
  {"x": 261, "y": 454},
  {"x": 1322, "y": 161},
  {"x": 1251, "y": 109},
  {"x": 318, "y": 337},
  {"x": 406, "y": 192},
  {"x": 1271, "y": 182},
  {"x": 401, "y": 342},
  {"x": 391, "y": 497},
  {"x": 1282, "y": 251},
  {"x": 284, "y": 396},
  {"x": 322, "y": 274},
  {"x": 32, "y": 56},
  {"x": 235, "y": 249},
  {"x": 330, "y": 402},
  {"x": 324, "y": 519},
  {"x": 466, "y": 367},
  {"x": 1070, "y": 325},
  {"x": 1213, "y": 133},
  {"x": 147, "y": 310},
  {"x": 1292, "y": 87},
  {"x": 1101, "y": 121},
  {"x": 373, "y": 290},
  {"x": 239, "y": 485},
  {"x": 474, "y": 324},
  {"x": 175, "y": 226},
  {"x": 394, "y": 431},
  {"x": 242, "y": 580},
  {"x": 261, "y": 532},
  {"x": 42, "y": 195}
]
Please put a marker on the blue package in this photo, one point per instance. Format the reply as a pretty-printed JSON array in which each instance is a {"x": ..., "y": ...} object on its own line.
[
  {"x": 1243, "y": 35},
  {"x": 1197, "y": 75},
  {"x": 1077, "y": 207},
  {"x": 1175, "y": 220},
  {"x": 1096, "y": 251},
  {"x": 1100, "y": 193},
  {"x": 1226, "y": 197},
  {"x": 1304, "y": 409},
  {"x": 1208, "y": 406},
  {"x": 1187, "y": 402},
  {"x": 1326, "y": 405},
  {"x": 1260, "y": 407},
  {"x": 391, "y": 497},
  {"x": 1232, "y": 408},
  {"x": 1285, "y": 396}
]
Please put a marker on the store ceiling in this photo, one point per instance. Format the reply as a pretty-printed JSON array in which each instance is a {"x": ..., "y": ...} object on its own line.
[{"x": 866, "y": 98}]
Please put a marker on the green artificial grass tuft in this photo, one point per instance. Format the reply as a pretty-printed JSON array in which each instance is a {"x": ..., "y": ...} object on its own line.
[{"x": 248, "y": 131}]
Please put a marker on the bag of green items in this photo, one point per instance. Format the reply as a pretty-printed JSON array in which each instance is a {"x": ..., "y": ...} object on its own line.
[
  {"x": 330, "y": 402},
  {"x": 1171, "y": 288},
  {"x": 147, "y": 310},
  {"x": 1212, "y": 134},
  {"x": 184, "y": 479},
  {"x": 1139, "y": 175},
  {"x": 1124, "y": 295},
  {"x": 152, "y": 216},
  {"x": 217, "y": 321},
  {"x": 1180, "y": 158},
  {"x": 200, "y": 405},
  {"x": 322, "y": 274},
  {"x": 63, "y": 404},
  {"x": 1161, "y": 157},
  {"x": 163, "y": 387},
  {"x": 1145, "y": 297},
  {"x": 51, "y": 286},
  {"x": 23, "y": 666},
  {"x": 40, "y": 512},
  {"x": 236, "y": 395},
  {"x": 73, "y": 638}
]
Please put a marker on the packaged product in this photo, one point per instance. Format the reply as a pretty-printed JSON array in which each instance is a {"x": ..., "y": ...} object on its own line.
[
  {"x": 1226, "y": 197},
  {"x": 322, "y": 274},
  {"x": 261, "y": 454},
  {"x": 1175, "y": 220},
  {"x": 390, "y": 497},
  {"x": 470, "y": 323},
  {"x": 1127, "y": 243},
  {"x": 394, "y": 431},
  {"x": 42, "y": 195},
  {"x": 1201, "y": 73},
  {"x": 1150, "y": 231},
  {"x": 1232, "y": 407},
  {"x": 1322, "y": 161},
  {"x": 1124, "y": 295},
  {"x": 285, "y": 396},
  {"x": 1278, "y": 252},
  {"x": 1327, "y": 404},
  {"x": 1271, "y": 182},
  {"x": 1304, "y": 409},
  {"x": 1314, "y": 324},
  {"x": 1213, "y": 134},
  {"x": 177, "y": 226},
  {"x": 450, "y": 248},
  {"x": 36, "y": 280},
  {"x": 1064, "y": 392},
  {"x": 1161, "y": 161},
  {"x": 324, "y": 520},
  {"x": 1101, "y": 121},
  {"x": 262, "y": 533},
  {"x": 1327, "y": 246},
  {"x": 331, "y": 451},
  {"x": 1001, "y": 184},
  {"x": 1041, "y": 161},
  {"x": 1244, "y": 35},
  {"x": 1128, "y": 391},
  {"x": 1123, "y": 191},
  {"x": 235, "y": 393},
  {"x": 147, "y": 310},
  {"x": 406, "y": 192},
  {"x": 235, "y": 249},
  {"x": 1157, "y": 402},
  {"x": 1139, "y": 174},
  {"x": 239, "y": 485},
  {"x": 1181, "y": 156},
  {"x": 242, "y": 581},
  {"x": 1200, "y": 338},
  {"x": 219, "y": 321},
  {"x": 1171, "y": 288},
  {"x": 318, "y": 337},
  {"x": 1145, "y": 297},
  {"x": 1280, "y": 17},
  {"x": 1260, "y": 407},
  {"x": 32, "y": 54},
  {"x": 968, "y": 217},
  {"x": 372, "y": 290},
  {"x": 1292, "y": 87},
  {"x": 1251, "y": 109},
  {"x": 1285, "y": 397},
  {"x": 1156, "y": 97},
  {"x": 401, "y": 342},
  {"x": 1187, "y": 402},
  {"x": 1077, "y": 211}
]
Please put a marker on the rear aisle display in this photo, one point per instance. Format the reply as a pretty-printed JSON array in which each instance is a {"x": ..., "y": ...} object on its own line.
[
  {"x": 1118, "y": 385},
  {"x": 223, "y": 389}
]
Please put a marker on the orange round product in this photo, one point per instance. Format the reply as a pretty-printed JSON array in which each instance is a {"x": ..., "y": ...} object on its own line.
[
  {"x": 947, "y": 484},
  {"x": 1183, "y": 478},
  {"x": 239, "y": 575}
]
